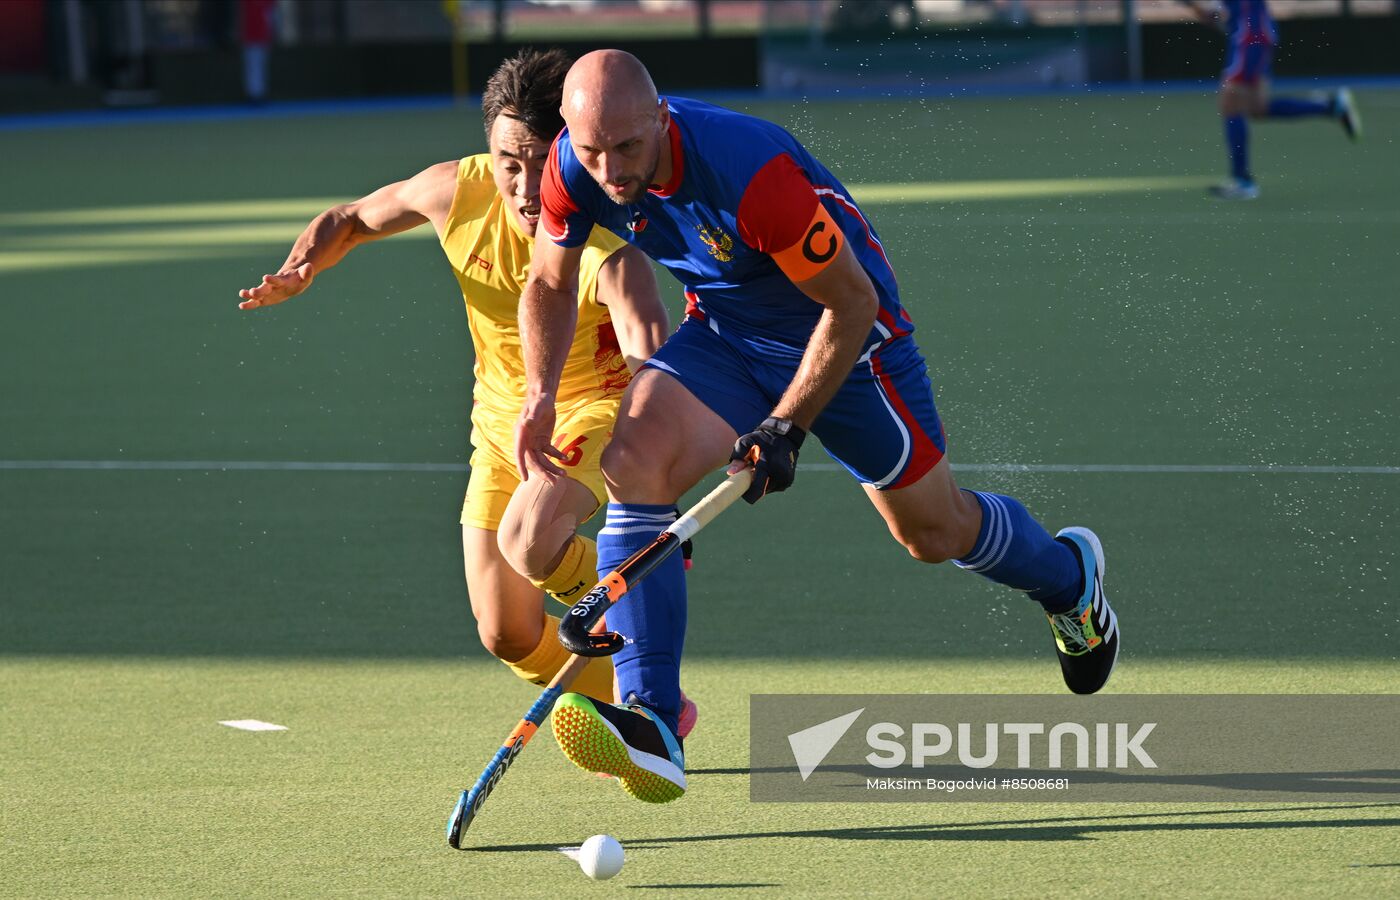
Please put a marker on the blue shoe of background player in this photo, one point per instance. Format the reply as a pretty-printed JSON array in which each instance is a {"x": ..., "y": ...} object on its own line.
[
  {"x": 1347, "y": 113},
  {"x": 1086, "y": 637},
  {"x": 1235, "y": 189}
]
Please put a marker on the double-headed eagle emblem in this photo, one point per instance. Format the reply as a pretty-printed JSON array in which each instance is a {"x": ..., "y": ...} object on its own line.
[{"x": 720, "y": 244}]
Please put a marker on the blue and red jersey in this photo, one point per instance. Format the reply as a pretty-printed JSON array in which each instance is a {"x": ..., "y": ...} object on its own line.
[
  {"x": 746, "y": 212},
  {"x": 1250, "y": 43},
  {"x": 1249, "y": 23}
]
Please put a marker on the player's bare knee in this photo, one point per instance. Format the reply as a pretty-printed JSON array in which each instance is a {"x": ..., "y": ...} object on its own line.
[
  {"x": 950, "y": 537},
  {"x": 536, "y": 561},
  {"x": 620, "y": 456},
  {"x": 516, "y": 545},
  {"x": 510, "y": 540},
  {"x": 633, "y": 473},
  {"x": 539, "y": 523},
  {"x": 932, "y": 545},
  {"x": 523, "y": 556},
  {"x": 503, "y": 643}
]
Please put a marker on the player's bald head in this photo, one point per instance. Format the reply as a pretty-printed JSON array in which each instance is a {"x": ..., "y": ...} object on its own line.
[
  {"x": 610, "y": 88},
  {"x": 616, "y": 124}
]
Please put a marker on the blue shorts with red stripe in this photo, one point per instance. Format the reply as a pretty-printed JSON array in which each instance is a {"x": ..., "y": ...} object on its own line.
[
  {"x": 1247, "y": 63},
  {"x": 881, "y": 425}
]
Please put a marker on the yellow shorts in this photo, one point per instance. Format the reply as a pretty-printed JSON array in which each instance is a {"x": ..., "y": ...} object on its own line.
[{"x": 581, "y": 433}]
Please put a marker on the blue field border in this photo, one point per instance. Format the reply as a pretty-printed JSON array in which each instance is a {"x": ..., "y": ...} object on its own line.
[{"x": 438, "y": 102}]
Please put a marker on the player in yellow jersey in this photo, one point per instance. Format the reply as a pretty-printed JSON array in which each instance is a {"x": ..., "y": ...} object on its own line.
[{"x": 518, "y": 538}]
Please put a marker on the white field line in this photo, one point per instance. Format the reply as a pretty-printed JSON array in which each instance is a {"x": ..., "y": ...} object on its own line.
[
  {"x": 205, "y": 465},
  {"x": 253, "y": 725},
  {"x": 210, "y": 465},
  {"x": 968, "y": 217}
]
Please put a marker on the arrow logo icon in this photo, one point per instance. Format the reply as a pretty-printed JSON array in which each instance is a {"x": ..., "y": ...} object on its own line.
[{"x": 811, "y": 745}]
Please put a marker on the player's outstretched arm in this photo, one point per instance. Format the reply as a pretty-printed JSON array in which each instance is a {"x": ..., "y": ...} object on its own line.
[
  {"x": 851, "y": 304},
  {"x": 393, "y": 208},
  {"x": 548, "y": 317},
  {"x": 844, "y": 288},
  {"x": 627, "y": 287},
  {"x": 1207, "y": 13}
]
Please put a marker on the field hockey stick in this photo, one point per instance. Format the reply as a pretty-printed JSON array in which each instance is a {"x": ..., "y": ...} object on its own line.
[
  {"x": 596, "y": 643},
  {"x": 577, "y": 630}
]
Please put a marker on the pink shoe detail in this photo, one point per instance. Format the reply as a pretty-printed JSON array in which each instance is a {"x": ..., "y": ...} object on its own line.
[{"x": 689, "y": 713}]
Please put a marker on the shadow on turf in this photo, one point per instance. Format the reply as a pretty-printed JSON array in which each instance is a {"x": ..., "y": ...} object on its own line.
[
  {"x": 696, "y": 887},
  {"x": 1065, "y": 828},
  {"x": 1350, "y": 786}
]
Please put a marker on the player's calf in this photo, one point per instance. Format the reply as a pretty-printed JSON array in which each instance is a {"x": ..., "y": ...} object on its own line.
[
  {"x": 1013, "y": 549},
  {"x": 503, "y": 641},
  {"x": 931, "y": 518},
  {"x": 538, "y": 657}
]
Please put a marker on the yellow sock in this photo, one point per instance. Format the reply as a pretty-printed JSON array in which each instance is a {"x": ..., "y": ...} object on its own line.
[
  {"x": 545, "y": 661},
  {"x": 575, "y": 574}
]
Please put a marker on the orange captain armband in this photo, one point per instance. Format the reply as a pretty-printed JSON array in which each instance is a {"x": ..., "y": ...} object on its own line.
[{"x": 821, "y": 241}]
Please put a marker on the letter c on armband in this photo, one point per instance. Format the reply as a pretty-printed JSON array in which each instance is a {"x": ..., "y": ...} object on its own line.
[{"x": 820, "y": 243}]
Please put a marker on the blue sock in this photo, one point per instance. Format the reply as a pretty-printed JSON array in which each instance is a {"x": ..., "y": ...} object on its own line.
[
  {"x": 1237, "y": 140},
  {"x": 651, "y": 617},
  {"x": 1294, "y": 107},
  {"x": 1012, "y": 549}
]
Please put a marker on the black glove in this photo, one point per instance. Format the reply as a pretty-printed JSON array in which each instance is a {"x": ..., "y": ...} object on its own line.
[{"x": 772, "y": 448}]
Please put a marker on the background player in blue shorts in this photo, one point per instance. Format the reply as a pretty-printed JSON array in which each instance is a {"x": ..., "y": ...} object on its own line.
[
  {"x": 794, "y": 325},
  {"x": 1244, "y": 88}
]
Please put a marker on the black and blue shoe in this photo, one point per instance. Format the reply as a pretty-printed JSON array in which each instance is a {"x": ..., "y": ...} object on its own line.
[{"x": 1086, "y": 637}]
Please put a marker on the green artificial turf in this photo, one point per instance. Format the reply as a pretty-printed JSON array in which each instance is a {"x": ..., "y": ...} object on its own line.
[{"x": 1124, "y": 322}]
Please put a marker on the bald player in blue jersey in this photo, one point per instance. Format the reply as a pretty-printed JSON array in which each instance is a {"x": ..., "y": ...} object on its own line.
[
  {"x": 794, "y": 325},
  {"x": 1251, "y": 37}
]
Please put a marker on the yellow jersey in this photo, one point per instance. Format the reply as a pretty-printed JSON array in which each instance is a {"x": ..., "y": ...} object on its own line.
[{"x": 491, "y": 258}]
